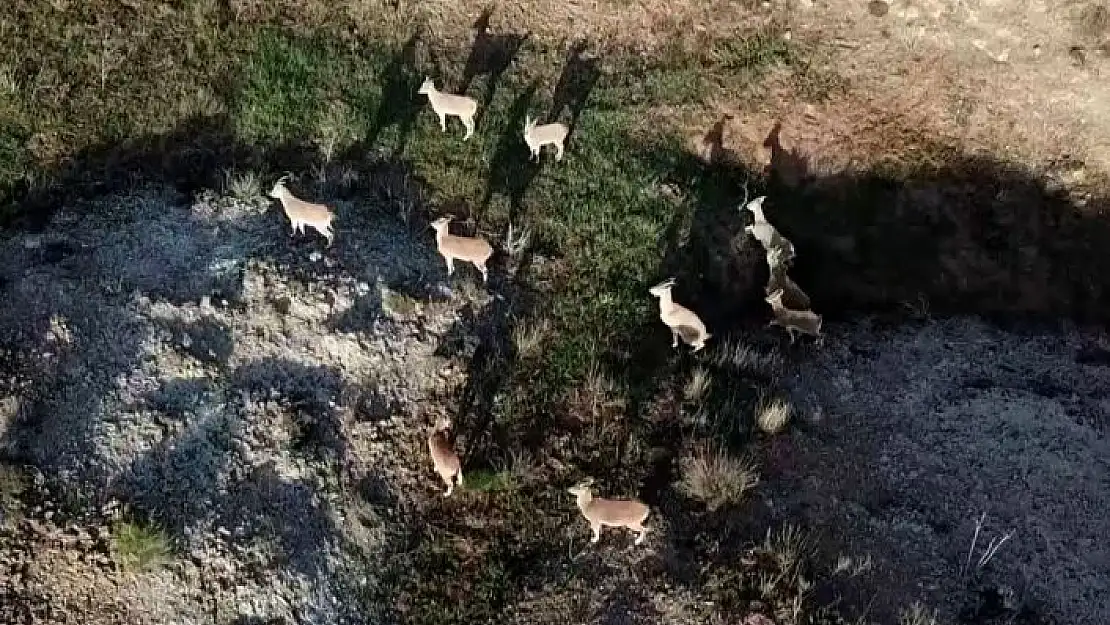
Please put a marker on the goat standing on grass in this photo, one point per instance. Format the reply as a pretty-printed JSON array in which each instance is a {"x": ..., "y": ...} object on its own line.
[
  {"x": 474, "y": 250},
  {"x": 302, "y": 213},
  {"x": 681, "y": 320},
  {"x": 609, "y": 512},
  {"x": 803, "y": 321},
  {"x": 538, "y": 136},
  {"x": 444, "y": 458},
  {"x": 445, "y": 104}
]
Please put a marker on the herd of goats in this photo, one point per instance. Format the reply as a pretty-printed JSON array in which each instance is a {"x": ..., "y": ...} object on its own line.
[{"x": 682, "y": 321}]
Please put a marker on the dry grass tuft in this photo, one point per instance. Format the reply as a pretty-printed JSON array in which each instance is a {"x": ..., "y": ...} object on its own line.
[
  {"x": 597, "y": 395},
  {"x": 716, "y": 477},
  {"x": 698, "y": 385},
  {"x": 917, "y": 614},
  {"x": 529, "y": 336},
  {"x": 773, "y": 414},
  {"x": 245, "y": 186},
  {"x": 745, "y": 359}
]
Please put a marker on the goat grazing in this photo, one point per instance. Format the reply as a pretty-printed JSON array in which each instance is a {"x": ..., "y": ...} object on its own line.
[
  {"x": 302, "y": 213},
  {"x": 803, "y": 321},
  {"x": 444, "y": 458},
  {"x": 445, "y": 104},
  {"x": 474, "y": 250},
  {"x": 609, "y": 512},
  {"x": 549, "y": 134},
  {"x": 681, "y": 320}
]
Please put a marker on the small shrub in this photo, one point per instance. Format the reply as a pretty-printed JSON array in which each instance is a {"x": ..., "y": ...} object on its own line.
[
  {"x": 698, "y": 385},
  {"x": 717, "y": 478},
  {"x": 245, "y": 186},
  {"x": 140, "y": 548},
  {"x": 772, "y": 415}
]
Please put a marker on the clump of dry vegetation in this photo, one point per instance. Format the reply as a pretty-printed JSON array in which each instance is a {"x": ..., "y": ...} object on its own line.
[
  {"x": 697, "y": 386},
  {"x": 772, "y": 414},
  {"x": 714, "y": 476}
]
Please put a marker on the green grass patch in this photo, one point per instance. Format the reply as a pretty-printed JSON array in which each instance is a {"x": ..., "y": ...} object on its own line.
[
  {"x": 139, "y": 547},
  {"x": 486, "y": 481}
]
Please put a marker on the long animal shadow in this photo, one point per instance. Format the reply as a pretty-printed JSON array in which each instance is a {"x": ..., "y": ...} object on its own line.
[
  {"x": 399, "y": 106},
  {"x": 511, "y": 171},
  {"x": 581, "y": 72},
  {"x": 491, "y": 55},
  {"x": 787, "y": 167}
]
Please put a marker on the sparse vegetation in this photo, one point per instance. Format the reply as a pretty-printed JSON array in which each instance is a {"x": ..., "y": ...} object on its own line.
[
  {"x": 140, "y": 547},
  {"x": 714, "y": 476}
]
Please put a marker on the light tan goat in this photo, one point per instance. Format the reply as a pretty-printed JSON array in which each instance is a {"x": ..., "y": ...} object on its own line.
[
  {"x": 681, "y": 320},
  {"x": 804, "y": 321},
  {"x": 445, "y": 104},
  {"x": 549, "y": 134},
  {"x": 764, "y": 232},
  {"x": 474, "y": 250},
  {"x": 610, "y": 512},
  {"x": 444, "y": 458},
  {"x": 302, "y": 213}
]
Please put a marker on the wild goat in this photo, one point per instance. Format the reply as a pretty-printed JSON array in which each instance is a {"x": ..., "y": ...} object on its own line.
[
  {"x": 681, "y": 320},
  {"x": 445, "y": 104},
  {"x": 767, "y": 235},
  {"x": 549, "y": 134},
  {"x": 302, "y": 213},
  {"x": 611, "y": 512},
  {"x": 474, "y": 250},
  {"x": 444, "y": 458},
  {"x": 804, "y": 321},
  {"x": 778, "y": 280}
]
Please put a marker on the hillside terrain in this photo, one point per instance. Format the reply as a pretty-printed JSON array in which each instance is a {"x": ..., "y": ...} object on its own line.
[{"x": 207, "y": 419}]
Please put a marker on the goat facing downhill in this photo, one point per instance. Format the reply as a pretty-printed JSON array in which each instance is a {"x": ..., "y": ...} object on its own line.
[
  {"x": 445, "y": 104},
  {"x": 474, "y": 250},
  {"x": 302, "y": 213},
  {"x": 600, "y": 512},
  {"x": 444, "y": 458},
  {"x": 681, "y": 320},
  {"x": 549, "y": 134},
  {"x": 803, "y": 321}
]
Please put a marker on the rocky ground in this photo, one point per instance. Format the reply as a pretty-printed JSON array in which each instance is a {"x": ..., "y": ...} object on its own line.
[{"x": 189, "y": 359}]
